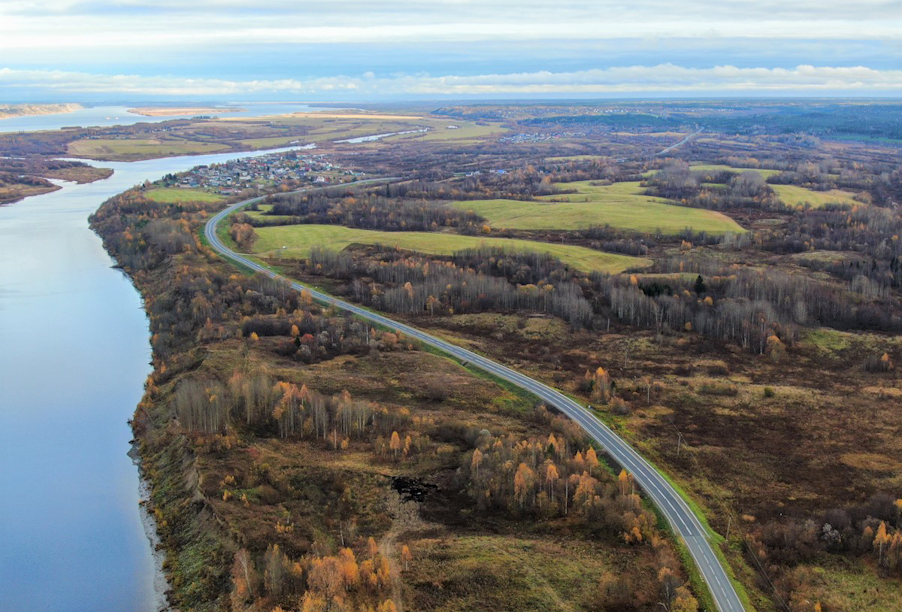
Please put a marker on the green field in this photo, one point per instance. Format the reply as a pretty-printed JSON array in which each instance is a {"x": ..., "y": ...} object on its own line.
[
  {"x": 272, "y": 142},
  {"x": 300, "y": 239},
  {"x": 173, "y": 195},
  {"x": 620, "y": 205},
  {"x": 140, "y": 149},
  {"x": 721, "y": 168},
  {"x": 793, "y": 195},
  {"x": 465, "y": 131}
]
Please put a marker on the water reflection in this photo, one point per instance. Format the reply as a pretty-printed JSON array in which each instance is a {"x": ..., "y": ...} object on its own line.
[{"x": 74, "y": 354}]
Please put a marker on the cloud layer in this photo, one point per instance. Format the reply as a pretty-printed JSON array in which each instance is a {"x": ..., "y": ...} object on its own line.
[
  {"x": 660, "y": 79},
  {"x": 481, "y": 47}
]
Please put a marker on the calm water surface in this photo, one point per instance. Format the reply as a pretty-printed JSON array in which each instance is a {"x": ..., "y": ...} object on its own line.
[
  {"x": 74, "y": 354},
  {"x": 106, "y": 116}
]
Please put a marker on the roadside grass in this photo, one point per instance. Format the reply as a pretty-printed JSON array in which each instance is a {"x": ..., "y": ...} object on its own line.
[
  {"x": 515, "y": 399},
  {"x": 300, "y": 239},
  {"x": 223, "y": 235},
  {"x": 699, "y": 585},
  {"x": 621, "y": 205},
  {"x": 174, "y": 195},
  {"x": 140, "y": 149},
  {"x": 793, "y": 195}
]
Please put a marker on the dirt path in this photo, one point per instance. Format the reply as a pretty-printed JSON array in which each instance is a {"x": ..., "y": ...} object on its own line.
[{"x": 406, "y": 517}]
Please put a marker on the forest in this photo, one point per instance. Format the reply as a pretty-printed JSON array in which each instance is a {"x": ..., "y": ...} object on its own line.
[
  {"x": 804, "y": 270},
  {"x": 250, "y": 390},
  {"x": 342, "y": 467}
]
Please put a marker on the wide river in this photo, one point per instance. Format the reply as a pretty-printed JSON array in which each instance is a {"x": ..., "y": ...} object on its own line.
[
  {"x": 74, "y": 354},
  {"x": 106, "y": 116}
]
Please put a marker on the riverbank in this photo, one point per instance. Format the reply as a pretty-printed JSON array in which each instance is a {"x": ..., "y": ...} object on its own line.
[
  {"x": 10, "y": 111},
  {"x": 22, "y": 178},
  {"x": 73, "y": 534},
  {"x": 145, "y": 505}
]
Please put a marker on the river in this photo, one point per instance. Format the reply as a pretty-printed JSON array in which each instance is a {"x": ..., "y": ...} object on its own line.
[
  {"x": 74, "y": 354},
  {"x": 106, "y": 116}
]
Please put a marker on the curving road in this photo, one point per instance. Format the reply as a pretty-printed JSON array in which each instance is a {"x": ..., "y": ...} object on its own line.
[{"x": 679, "y": 515}]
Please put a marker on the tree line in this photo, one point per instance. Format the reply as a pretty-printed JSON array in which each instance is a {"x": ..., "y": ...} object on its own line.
[{"x": 415, "y": 285}]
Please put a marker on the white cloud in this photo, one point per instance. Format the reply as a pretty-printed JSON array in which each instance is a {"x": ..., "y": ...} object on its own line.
[
  {"x": 75, "y": 26},
  {"x": 663, "y": 78}
]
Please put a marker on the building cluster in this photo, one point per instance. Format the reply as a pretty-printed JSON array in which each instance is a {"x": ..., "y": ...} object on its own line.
[
  {"x": 266, "y": 171},
  {"x": 540, "y": 136}
]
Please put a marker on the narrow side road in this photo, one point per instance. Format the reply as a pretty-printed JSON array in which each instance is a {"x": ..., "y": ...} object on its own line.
[
  {"x": 678, "y": 514},
  {"x": 680, "y": 143}
]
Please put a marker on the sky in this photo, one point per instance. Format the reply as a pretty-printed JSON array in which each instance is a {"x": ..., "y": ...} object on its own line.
[{"x": 368, "y": 50}]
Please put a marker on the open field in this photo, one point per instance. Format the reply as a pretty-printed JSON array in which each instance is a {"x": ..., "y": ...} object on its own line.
[
  {"x": 765, "y": 173},
  {"x": 620, "y": 205},
  {"x": 148, "y": 141},
  {"x": 722, "y": 168},
  {"x": 300, "y": 239},
  {"x": 272, "y": 142},
  {"x": 109, "y": 149},
  {"x": 465, "y": 131},
  {"x": 78, "y": 174},
  {"x": 793, "y": 195},
  {"x": 173, "y": 195},
  {"x": 323, "y": 128}
]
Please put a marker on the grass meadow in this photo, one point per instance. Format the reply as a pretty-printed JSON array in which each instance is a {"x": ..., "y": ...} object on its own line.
[
  {"x": 298, "y": 241},
  {"x": 621, "y": 205}
]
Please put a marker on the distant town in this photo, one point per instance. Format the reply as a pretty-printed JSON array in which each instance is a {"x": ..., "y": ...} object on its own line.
[{"x": 267, "y": 171}]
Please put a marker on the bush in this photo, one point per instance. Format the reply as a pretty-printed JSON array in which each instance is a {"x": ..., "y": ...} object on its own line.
[
  {"x": 718, "y": 370},
  {"x": 620, "y": 407},
  {"x": 768, "y": 392},
  {"x": 715, "y": 389}
]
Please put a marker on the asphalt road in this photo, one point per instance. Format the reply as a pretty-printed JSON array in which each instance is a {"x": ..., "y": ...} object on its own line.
[
  {"x": 678, "y": 514},
  {"x": 680, "y": 143}
]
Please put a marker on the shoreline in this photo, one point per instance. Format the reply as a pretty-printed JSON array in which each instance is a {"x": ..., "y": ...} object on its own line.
[
  {"x": 161, "y": 585},
  {"x": 31, "y": 110},
  {"x": 162, "y": 111}
]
